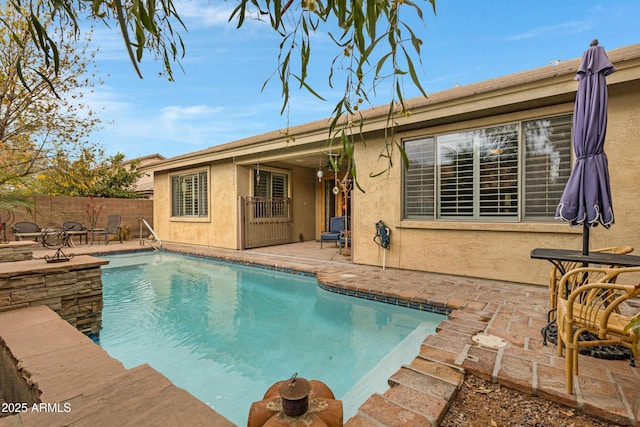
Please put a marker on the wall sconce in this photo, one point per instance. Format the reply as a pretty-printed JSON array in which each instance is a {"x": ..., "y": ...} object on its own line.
[{"x": 320, "y": 174}]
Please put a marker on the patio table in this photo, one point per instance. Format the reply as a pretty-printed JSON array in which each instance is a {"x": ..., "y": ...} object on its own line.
[
  {"x": 97, "y": 231},
  {"x": 557, "y": 256}
]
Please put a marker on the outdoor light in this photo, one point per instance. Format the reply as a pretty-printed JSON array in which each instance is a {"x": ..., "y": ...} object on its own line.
[{"x": 320, "y": 174}]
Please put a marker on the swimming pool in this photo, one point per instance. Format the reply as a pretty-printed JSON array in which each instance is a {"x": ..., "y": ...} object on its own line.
[{"x": 227, "y": 332}]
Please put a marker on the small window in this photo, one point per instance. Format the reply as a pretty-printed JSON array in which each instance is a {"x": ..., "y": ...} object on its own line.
[{"x": 189, "y": 195}]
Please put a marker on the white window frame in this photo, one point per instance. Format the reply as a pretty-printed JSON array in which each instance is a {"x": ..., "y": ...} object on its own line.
[
  {"x": 423, "y": 183},
  {"x": 193, "y": 198}
]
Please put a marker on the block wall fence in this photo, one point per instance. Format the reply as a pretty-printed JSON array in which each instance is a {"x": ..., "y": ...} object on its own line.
[{"x": 54, "y": 210}]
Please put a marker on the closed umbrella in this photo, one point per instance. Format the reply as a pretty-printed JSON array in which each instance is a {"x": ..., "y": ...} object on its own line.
[{"x": 586, "y": 199}]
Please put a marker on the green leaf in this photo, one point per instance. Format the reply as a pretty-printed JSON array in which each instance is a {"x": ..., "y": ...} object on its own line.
[
  {"x": 417, "y": 8},
  {"x": 125, "y": 35},
  {"x": 306, "y": 86},
  {"x": 241, "y": 12},
  {"x": 412, "y": 73},
  {"x": 305, "y": 53},
  {"x": 372, "y": 17},
  {"x": 403, "y": 154},
  {"x": 415, "y": 41},
  {"x": 381, "y": 62}
]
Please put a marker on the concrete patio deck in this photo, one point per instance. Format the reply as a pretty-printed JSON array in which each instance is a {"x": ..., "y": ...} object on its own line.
[{"x": 420, "y": 391}]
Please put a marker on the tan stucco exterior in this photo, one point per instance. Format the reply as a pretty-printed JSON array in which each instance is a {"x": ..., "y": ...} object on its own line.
[
  {"x": 228, "y": 181},
  {"x": 497, "y": 250}
]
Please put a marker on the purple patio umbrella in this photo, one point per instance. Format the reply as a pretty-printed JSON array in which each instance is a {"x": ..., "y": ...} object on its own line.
[{"x": 586, "y": 198}]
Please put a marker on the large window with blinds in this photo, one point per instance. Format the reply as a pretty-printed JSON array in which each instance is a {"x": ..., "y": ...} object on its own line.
[
  {"x": 189, "y": 195},
  {"x": 510, "y": 172}
]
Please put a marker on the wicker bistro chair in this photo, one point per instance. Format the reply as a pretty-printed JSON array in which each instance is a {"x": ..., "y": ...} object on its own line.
[
  {"x": 594, "y": 307},
  {"x": 557, "y": 273}
]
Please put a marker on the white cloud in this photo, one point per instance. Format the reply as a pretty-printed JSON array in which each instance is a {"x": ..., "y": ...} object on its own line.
[
  {"x": 175, "y": 113},
  {"x": 574, "y": 27},
  {"x": 203, "y": 14}
]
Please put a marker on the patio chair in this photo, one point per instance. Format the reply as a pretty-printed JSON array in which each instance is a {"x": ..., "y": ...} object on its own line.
[
  {"x": 75, "y": 228},
  {"x": 27, "y": 230},
  {"x": 598, "y": 308},
  {"x": 337, "y": 224},
  {"x": 113, "y": 227},
  {"x": 557, "y": 273}
]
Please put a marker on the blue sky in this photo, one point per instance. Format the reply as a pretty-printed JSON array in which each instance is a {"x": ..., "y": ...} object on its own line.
[{"x": 218, "y": 97}]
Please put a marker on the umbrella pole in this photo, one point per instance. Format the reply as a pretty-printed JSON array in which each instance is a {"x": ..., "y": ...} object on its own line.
[{"x": 585, "y": 239}]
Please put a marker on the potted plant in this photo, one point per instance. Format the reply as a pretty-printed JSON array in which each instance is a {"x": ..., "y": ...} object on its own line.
[{"x": 93, "y": 212}]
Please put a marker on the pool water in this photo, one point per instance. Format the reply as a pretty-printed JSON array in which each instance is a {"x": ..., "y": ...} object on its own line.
[{"x": 226, "y": 332}]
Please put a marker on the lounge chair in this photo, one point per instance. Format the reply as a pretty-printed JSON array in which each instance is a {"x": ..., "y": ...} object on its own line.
[
  {"x": 27, "y": 230},
  {"x": 336, "y": 226},
  {"x": 113, "y": 227},
  {"x": 75, "y": 228},
  {"x": 598, "y": 308}
]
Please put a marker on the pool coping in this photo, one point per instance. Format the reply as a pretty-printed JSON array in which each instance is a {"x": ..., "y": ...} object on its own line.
[{"x": 342, "y": 290}]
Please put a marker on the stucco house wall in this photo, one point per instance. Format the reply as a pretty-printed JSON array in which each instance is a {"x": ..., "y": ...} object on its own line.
[
  {"x": 228, "y": 182},
  {"x": 501, "y": 250},
  {"x": 489, "y": 249}
]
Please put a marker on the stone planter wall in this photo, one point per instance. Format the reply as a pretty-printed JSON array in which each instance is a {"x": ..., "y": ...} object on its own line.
[
  {"x": 72, "y": 289},
  {"x": 16, "y": 251}
]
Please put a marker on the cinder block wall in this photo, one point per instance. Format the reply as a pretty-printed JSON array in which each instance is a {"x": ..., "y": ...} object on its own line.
[{"x": 54, "y": 210}]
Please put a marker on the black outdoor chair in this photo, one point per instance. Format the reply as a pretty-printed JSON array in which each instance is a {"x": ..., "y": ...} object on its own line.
[
  {"x": 113, "y": 227},
  {"x": 75, "y": 228},
  {"x": 336, "y": 226},
  {"x": 27, "y": 230}
]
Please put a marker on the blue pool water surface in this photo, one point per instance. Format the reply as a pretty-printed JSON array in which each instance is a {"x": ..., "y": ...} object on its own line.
[{"x": 226, "y": 332}]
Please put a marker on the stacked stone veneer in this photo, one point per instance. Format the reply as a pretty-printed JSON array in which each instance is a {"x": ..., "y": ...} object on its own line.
[
  {"x": 73, "y": 289},
  {"x": 16, "y": 251}
]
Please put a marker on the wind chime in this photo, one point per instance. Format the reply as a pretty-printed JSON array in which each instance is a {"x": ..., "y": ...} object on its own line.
[{"x": 320, "y": 173}]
